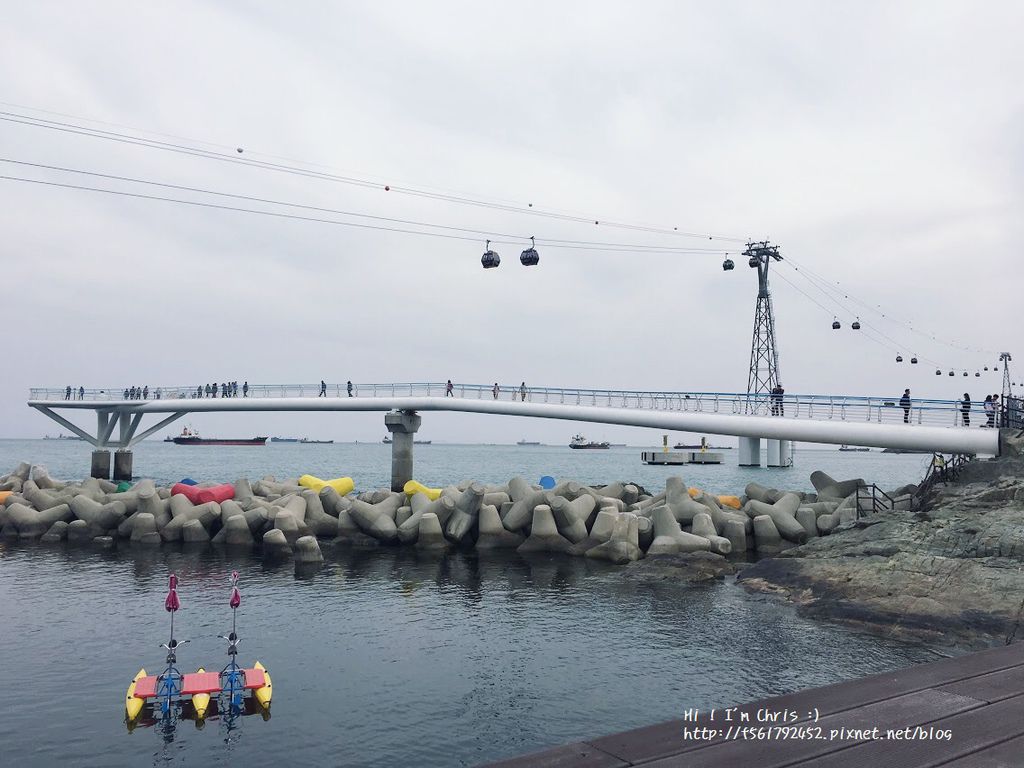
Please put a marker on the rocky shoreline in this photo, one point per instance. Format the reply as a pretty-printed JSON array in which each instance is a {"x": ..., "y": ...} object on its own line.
[{"x": 949, "y": 574}]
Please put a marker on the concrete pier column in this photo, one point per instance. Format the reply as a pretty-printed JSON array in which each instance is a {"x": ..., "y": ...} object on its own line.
[
  {"x": 780, "y": 453},
  {"x": 122, "y": 465},
  {"x": 402, "y": 425},
  {"x": 750, "y": 452},
  {"x": 100, "y": 464}
]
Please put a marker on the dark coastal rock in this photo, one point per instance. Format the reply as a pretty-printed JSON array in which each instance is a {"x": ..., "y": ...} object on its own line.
[
  {"x": 687, "y": 567},
  {"x": 951, "y": 574}
]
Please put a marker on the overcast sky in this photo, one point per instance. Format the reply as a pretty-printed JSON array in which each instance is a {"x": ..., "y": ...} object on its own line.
[{"x": 878, "y": 143}]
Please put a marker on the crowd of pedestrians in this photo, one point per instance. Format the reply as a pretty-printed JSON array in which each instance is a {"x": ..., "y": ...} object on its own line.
[{"x": 224, "y": 389}]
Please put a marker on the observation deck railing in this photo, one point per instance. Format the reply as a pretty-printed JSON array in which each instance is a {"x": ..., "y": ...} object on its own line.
[{"x": 947, "y": 413}]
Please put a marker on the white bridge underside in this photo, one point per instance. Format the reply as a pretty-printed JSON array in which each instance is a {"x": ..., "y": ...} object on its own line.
[{"x": 862, "y": 433}]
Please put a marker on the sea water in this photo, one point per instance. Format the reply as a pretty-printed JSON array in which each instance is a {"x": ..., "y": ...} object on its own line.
[{"x": 391, "y": 657}]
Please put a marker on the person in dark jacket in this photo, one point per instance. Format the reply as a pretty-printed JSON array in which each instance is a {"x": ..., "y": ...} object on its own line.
[
  {"x": 348, "y": 386},
  {"x": 905, "y": 405},
  {"x": 965, "y": 410}
]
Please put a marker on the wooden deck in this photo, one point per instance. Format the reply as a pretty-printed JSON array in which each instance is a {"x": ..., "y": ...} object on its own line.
[{"x": 978, "y": 698}]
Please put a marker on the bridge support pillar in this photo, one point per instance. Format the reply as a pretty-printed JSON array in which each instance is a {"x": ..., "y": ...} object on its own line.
[
  {"x": 100, "y": 464},
  {"x": 122, "y": 465},
  {"x": 750, "y": 451},
  {"x": 780, "y": 453},
  {"x": 402, "y": 425}
]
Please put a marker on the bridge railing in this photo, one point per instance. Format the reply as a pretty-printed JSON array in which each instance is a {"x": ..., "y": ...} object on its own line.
[{"x": 948, "y": 413}]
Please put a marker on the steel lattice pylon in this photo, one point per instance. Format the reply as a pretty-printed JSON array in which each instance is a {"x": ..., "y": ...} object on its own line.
[
  {"x": 764, "y": 373},
  {"x": 1005, "y": 359}
]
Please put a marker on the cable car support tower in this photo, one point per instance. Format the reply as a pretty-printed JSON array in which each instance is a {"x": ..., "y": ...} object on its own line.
[{"x": 764, "y": 375}]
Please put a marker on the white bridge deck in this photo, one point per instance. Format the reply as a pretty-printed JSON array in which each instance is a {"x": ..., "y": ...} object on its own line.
[{"x": 928, "y": 425}]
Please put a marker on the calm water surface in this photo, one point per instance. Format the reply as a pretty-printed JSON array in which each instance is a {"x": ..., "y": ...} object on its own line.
[{"x": 390, "y": 657}]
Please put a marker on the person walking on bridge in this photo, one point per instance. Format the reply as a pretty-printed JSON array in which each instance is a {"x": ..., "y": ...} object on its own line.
[
  {"x": 67, "y": 392},
  {"x": 990, "y": 412},
  {"x": 496, "y": 391},
  {"x": 323, "y": 388},
  {"x": 81, "y": 393},
  {"x": 522, "y": 392},
  {"x": 965, "y": 409},
  {"x": 348, "y": 386},
  {"x": 905, "y": 405},
  {"x": 449, "y": 389}
]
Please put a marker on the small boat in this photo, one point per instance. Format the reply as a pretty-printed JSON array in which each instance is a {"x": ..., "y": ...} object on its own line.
[
  {"x": 527, "y": 442},
  {"x": 284, "y": 439},
  {"x": 855, "y": 448},
  {"x": 307, "y": 441},
  {"x": 579, "y": 442},
  {"x": 387, "y": 441},
  {"x": 189, "y": 436},
  {"x": 62, "y": 436}
]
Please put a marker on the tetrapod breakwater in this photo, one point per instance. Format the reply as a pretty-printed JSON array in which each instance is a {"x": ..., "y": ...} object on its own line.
[{"x": 620, "y": 522}]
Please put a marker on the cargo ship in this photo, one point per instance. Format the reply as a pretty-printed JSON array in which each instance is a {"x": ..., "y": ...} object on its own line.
[
  {"x": 191, "y": 437},
  {"x": 579, "y": 442}
]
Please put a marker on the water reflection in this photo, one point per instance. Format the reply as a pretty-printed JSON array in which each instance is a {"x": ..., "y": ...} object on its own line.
[{"x": 392, "y": 656}]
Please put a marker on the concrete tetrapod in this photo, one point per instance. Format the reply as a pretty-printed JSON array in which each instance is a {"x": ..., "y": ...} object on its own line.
[
  {"x": 193, "y": 532},
  {"x": 761, "y": 493},
  {"x": 665, "y": 524},
  {"x": 568, "y": 521},
  {"x": 275, "y": 544},
  {"x": 767, "y": 540},
  {"x": 236, "y": 532},
  {"x": 100, "y": 516},
  {"x": 522, "y": 510},
  {"x": 32, "y": 523},
  {"x": 600, "y": 531},
  {"x": 829, "y": 488},
  {"x": 704, "y": 526},
  {"x": 782, "y": 513},
  {"x": 318, "y": 521},
  {"x": 808, "y": 521},
  {"x": 307, "y": 550},
  {"x": 493, "y": 535},
  {"x": 285, "y": 522},
  {"x": 736, "y": 533},
  {"x": 677, "y": 499},
  {"x": 544, "y": 535},
  {"x": 144, "y": 531},
  {"x": 465, "y": 514},
  {"x": 431, "y": 537},
  {"x": 57, "y": 533},
  {"x": 621, "y": 548},
  {"x": 149, "y": 501},
  {"x": 420, "y": 503},
  {"x": 373, "y": 521},
  {"x": 79, "y": 533}
]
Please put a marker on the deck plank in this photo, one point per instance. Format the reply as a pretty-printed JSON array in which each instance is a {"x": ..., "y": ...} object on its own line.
[
  {"x": 994, "y": 686},
  {"x": 910, "y": 709},
  {"x": 972, "y": 732},
  {"x": 1006, "y": 754},
  {"x": 663, "y": 739}
]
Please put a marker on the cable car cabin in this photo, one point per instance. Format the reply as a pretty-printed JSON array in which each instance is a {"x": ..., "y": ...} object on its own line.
[
  {"x": 754, "y": 261},
  {"x": 913, "y": 361},
  {"x": 977, "y": 373},
  {"x": 728, "y": 264},
  {"x": 965, "y": 373},
  {"x": 835, "y": 325},
  {"x": 986, "y": 367},
  {"x": 952, "y": 374},
  {"x": 938, "y": 372},
  {"x": 899, "y": 358},
  {"x": 490, "y": 259},
  {"x": 529, "y": 257},
  {"x": 855, "y": 325}
]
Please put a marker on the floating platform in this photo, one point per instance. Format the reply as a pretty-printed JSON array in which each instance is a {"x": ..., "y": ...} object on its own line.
[{"x": 676, "y": 458}]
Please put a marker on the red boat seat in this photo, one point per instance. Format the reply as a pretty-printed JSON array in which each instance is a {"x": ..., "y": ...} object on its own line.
[
  {"x": 199, "y": 682},
  {"x": 145, "y": 687},
  {"x": 254, "y": 678}
]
